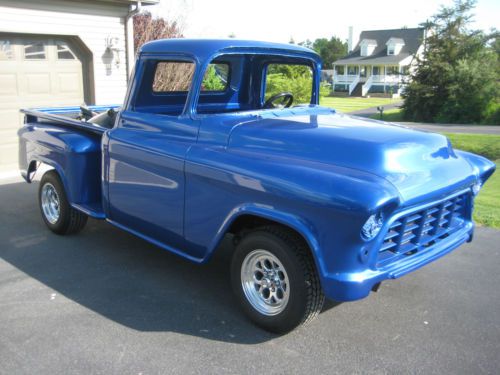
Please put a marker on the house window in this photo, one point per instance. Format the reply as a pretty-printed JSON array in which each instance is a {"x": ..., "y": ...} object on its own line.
[
  {"x": 173, "y": 76},
  {"x": 35, "y": 51},
  {"x": 391, "y": 49},
  {"x": 215, "y": 78},
  {"x": 376, "y": 70},
  {"x": 392, "y": 70},
  {"x": 6, "y": 51},
  {"x": 352, "y": 70},
  {"x": 64, "y": 52}
]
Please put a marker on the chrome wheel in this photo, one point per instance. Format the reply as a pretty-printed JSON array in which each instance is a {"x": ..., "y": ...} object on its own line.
[
  {"x": 50, "y": 203},
  {"x": 265, "y": 282}
]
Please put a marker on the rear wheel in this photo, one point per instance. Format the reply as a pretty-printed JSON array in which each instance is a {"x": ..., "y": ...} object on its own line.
[
  {"x": 275, "y": 279},
  {"x": 56, "y": 211}
]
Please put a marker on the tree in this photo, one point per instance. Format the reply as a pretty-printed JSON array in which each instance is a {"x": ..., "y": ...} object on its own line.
[
  {"x": 147, "y": 28},
  {"x": 330, "y": 50},
  {"x": 456, "y": 81}
]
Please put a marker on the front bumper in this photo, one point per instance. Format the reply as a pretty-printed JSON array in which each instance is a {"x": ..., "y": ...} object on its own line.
[{"x": 357, "y": 285}]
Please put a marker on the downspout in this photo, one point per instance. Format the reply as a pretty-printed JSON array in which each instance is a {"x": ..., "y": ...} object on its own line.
[{"x": 129, "y": 37}]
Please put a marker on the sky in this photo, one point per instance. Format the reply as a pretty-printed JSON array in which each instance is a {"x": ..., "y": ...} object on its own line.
[{"x": 282, "y": 20}]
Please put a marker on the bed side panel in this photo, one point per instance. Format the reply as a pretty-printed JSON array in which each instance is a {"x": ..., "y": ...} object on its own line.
[{"x": 75, "y": 155}]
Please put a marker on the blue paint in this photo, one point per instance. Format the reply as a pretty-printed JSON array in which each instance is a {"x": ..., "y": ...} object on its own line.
[{"x": 181, "y": 180}]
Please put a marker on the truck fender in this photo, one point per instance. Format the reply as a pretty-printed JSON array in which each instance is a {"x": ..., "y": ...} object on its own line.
[
  {"x": 32, "y": 167},
  {"x": 301, "y": 226}
]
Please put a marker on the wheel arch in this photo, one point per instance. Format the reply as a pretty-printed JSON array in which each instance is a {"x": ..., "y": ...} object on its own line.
[
  {"x": 252, "y": 216},
  {"x": 47, "y": 165}
]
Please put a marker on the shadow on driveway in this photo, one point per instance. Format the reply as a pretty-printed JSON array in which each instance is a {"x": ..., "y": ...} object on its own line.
[{"x": 123, "y": 277}]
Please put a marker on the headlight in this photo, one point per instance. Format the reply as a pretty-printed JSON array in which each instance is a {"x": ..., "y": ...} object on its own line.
[
  {"x": 372, "y": 226},
  {"x": 476, "y": 188}
]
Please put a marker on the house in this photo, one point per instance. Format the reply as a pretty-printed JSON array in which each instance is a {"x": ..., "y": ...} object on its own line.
[
  {"x": 58, "y": 53},
  {"x": 379, "y": 63}
]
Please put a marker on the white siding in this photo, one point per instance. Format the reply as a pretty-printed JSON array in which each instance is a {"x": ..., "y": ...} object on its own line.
[{"x": 91, "y": 22}]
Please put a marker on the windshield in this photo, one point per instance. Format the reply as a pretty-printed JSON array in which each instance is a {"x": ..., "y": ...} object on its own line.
[{"x": 296, "y": 79}]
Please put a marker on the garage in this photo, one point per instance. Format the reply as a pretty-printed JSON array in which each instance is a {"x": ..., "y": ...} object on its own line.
[
  {"x": 59, "y": 52},
  {"x": 36, "y": 71}
]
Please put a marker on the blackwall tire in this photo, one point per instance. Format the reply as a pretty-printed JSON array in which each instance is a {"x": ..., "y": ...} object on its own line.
[
  {"x": 274, "y": 278},
  {"x": 56, "y": 211}
]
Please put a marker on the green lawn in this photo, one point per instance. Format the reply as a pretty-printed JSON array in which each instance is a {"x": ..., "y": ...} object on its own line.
[
  {"x": 391, "y": 115},
  {"x": 350, "y": 104},
  {"x": 487, "y": 211}
]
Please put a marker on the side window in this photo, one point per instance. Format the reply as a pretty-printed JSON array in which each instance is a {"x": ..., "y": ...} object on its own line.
[
  {"x": 216, "y": 78},
  {"x": 64, "y": 52},
  {"x": 294, "y": 78},
  {"x": 6, "y": 50},
  {"x": 35, "y": 50},
  {"x": 173, "y": 76}
]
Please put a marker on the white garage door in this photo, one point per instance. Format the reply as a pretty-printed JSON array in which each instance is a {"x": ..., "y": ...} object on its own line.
[{"x": 34, "y": 72}]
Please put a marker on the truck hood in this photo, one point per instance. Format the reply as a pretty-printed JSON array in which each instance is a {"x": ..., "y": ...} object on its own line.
[{"x": 417, "y": 163}]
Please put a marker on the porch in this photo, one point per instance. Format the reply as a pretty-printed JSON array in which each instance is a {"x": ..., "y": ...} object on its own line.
[{"x": 360, "y": 80}]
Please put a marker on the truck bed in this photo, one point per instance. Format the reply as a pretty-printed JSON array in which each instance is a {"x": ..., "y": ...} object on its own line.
[
  {"x": 59, "y": 138},
  {"x": 66, "y": 116}
]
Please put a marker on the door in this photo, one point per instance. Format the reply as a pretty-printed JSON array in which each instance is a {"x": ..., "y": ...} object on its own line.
[
  {"x": 146, "y": 153},
  {"x": 35, "y": 71}
]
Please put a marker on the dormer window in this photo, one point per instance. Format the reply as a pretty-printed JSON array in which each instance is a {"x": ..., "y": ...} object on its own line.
[
  {"x": 394, "y": 46},
  {"x": 367, "y": 46}
]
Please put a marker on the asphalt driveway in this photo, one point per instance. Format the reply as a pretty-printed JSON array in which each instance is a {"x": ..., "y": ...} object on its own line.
[{"x": 105, "y": 302}]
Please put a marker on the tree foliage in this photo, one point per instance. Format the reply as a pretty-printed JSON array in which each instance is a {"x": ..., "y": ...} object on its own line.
[
  {"x": 147, "y": 28},
  {"x": 330, "y": 50},
  {"x": 212, "y": 81},
  {"x": 296, "y": 79},
  {"x": 456, "y": 81}
]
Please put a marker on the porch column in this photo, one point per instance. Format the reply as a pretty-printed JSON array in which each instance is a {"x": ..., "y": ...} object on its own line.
[
  {"x": 385, "y": 78},
  {"x": 333, "y": 78},
  {"x": 345, "y": 74}
]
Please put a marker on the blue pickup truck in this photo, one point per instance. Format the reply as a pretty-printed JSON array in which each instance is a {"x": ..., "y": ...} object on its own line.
[{"x": 223, "y": 138}]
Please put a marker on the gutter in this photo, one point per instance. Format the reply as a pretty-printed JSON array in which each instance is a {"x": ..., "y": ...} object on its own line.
[{"x": 129, "y": 37}]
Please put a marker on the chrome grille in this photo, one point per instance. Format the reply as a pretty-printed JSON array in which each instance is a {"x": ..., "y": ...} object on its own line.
[{"x": 422, "y": 229}]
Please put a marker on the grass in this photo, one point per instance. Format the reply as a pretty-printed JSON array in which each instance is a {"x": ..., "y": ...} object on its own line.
[
  {"x": 482, "y": 144},
  {"x": 350, "y": 104},
  {"x": 487, "y": 204},
  {"x": 391, "y": 115}
]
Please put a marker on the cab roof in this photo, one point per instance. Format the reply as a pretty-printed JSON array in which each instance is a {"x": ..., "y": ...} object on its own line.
[{"x": 205, "y": 48}]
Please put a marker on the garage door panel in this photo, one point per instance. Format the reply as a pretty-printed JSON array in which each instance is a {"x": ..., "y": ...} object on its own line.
[
  {"x": 70, "y": 83},
  {"x": 38, "y": 83},
  {"x": 8, "y": 154},
  {"x": 8, "y": 84}
]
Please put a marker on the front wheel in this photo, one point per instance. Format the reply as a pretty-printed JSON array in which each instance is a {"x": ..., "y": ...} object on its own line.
[
  {"x": 57, "y": 213},
  {"x": 275, "y": 279}
]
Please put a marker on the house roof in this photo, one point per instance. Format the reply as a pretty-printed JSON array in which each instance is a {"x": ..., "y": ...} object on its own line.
[
  {"x": 368, "y": 41},
  {"x": 412, "y": 39}
]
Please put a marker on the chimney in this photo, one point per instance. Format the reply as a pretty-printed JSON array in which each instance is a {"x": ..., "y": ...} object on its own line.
[{"x": 349, "y": 40}]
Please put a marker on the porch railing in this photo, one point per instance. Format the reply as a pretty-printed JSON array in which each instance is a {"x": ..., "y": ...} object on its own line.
[
  {"x": 353, "y": 84},
  {"x": 366, "y": 87}
]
